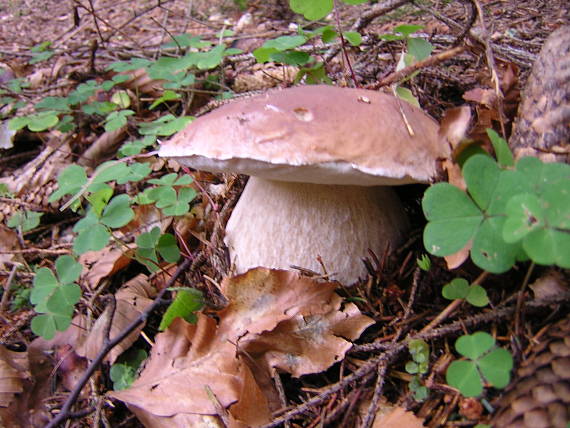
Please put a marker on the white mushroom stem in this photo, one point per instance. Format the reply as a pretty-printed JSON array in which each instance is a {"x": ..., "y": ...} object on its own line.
[{"x": 278, "y": 224}]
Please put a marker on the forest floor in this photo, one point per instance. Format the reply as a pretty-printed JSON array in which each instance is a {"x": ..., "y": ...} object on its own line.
[{"x": 398, "y": 300}]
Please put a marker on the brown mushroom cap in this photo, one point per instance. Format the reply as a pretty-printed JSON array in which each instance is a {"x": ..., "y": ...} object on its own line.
[
  {"x": 314, "y": 134},
  {"x": 314, "y": 154}
]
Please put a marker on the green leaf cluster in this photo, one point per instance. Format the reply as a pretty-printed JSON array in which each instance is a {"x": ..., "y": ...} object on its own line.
[
  {"x": 419, "y": 350},
  {"x": 124, "y": 372},
  {"x": 93, "y": 230},
  {"x": 152, "y": 244},
  {"x": 459, "y": 288},
  {"x": 483, "y": 363},
  {"x": 171, "y": 194},
  {"x": 164, "y": 126},
  {"x": 283, "y": 50},
  {"x": 424, "y": 262},
  {"x": 54, "y": 296},
  {"x": 24, "y": 220},
  {"x": 511, "y": 211},
  {"x": 41, "y": 52}
]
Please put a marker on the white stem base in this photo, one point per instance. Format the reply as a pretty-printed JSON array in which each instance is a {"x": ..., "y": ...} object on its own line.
[{"x": 278, "y": 224}]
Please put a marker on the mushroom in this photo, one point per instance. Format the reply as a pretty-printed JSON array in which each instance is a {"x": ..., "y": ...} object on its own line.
[{"x": 321, "y": 160}]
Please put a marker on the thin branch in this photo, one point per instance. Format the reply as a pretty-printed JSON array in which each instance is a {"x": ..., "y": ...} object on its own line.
[{"x": 428, "y": 62}]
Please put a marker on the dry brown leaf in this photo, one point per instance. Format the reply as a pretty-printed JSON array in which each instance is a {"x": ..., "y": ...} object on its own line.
[
  {"x": 483, "y": 96},
  {"x": 100, "y": 264},
  {"x": 131, "y": 300},
  {"x": 549, "y": 285},
  {"x": 147, "y": 217},
  {"x": 456, "y": 259},
  {"x": 26, "y": 381},
  {"x": 103, "y": 148},
  {"x": 9, "y": 242},
  {"x": 14, "y": 368},
  {"x": 397, "y": 418},
  {"x": 179, "y": 376},
  {"x": 308, "y": 343},
  {"x": 141, "y": 83},
  {"x": 272, "y": 316},
  {"x": 70, "y": 366},
  {"x": 264, "y": 76}
]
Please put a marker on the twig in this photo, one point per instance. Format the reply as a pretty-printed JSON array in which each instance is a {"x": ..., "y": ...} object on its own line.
[
  {"x": 65, "y": 412},
  {"x": 38, "y": 250},
  {"x": 377, "y": 11},
  {"x": 7, "y": 285},
  {"x": 486, "y": 41},
  {"x": 428, "y": 62},
  {"x": 520, "y": 300},
  {"x": 373, "y": 407},
  {"x": 33, "y": 207},
  {"x": 343, "y": 45}
]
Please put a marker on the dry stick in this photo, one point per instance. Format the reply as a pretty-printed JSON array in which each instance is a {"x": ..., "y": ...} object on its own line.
[
  {"x": 377, "y": 11},
  {"x": 485, "y": 39},
  {"x": 7, "y": 285},
  {"x": 343, "y": 45},
  {"x": 520, "y": 300},
  {"x": 378, "y": 390},
  {"x": 428, "y": 62},
  {"x": 381, "y": 371},
  {"x": 395, "y": 349},
  {"x": 65, "y": 412}
]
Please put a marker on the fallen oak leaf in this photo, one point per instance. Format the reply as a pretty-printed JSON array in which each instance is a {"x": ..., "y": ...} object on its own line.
[
  {"x": 262, "y": 301},
  {"x": 308, "y": 344}
]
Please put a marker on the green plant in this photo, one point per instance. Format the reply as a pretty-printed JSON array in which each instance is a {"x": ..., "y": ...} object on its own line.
[
  {"x": 459, "y": 288},
  {"x": 283, "y": 50},
  {"x": 424, "y": 262},
  {"x": 41, "y": 52},
  {"x": 24, "y": 220},
  {"x": 20, "y": 296},
  {"x": 151, "y": 244},
  {"x": 123, "y": 373},
  {"x": 55, "y": 296},
  {"x": 417, "y": 49},
  {"x": 316, "y": 9},
  {"x": 483, "y": 363},
  {"x": 419, "y": 350},
  {"x": 171, "y": 194},
  {"x": 511, "y": 211},
  {"x": 184, "y": 305}
]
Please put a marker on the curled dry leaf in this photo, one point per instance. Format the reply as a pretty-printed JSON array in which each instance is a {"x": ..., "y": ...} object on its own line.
[
  {"x": 9, "y": 242},
  {"x": 100, "y": 264},
  {"x": 14, "y": 368},
  {"x": 550, "y": 285},
  {"x": 141, "y": 83},
  {"x": 25, "y": 384},
  {"x": 104, "y": 147},
  {"x": 131, "y": 300},
  {"x": 274, "y": 319},
  {"x": 396, "y": 417}
]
